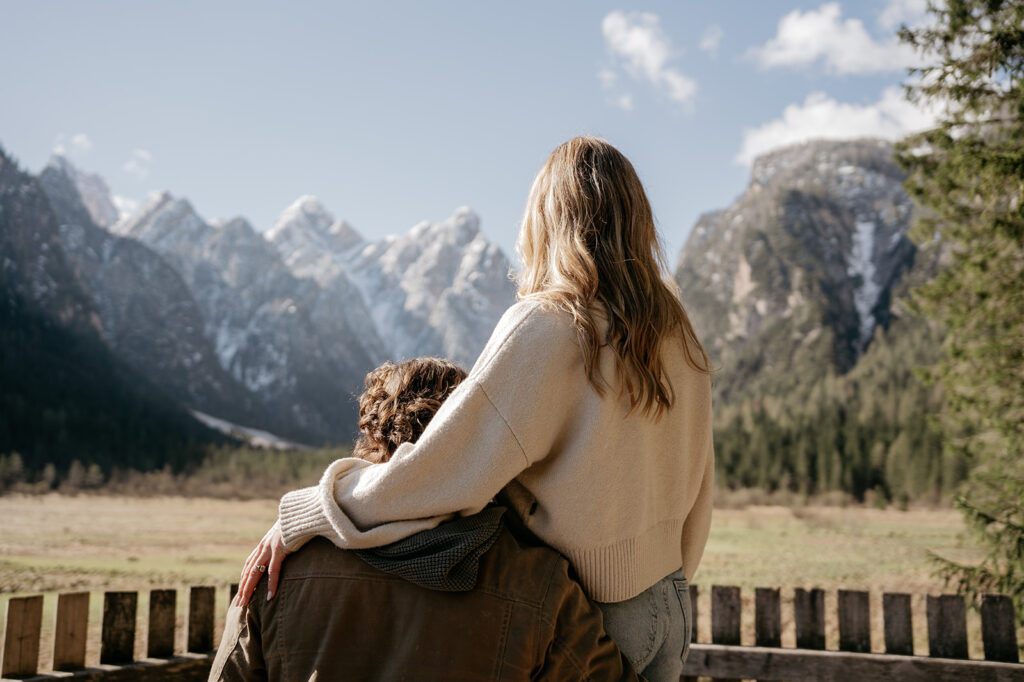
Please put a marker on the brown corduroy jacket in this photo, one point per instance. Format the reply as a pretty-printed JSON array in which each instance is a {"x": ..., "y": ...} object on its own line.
[{"x": 335, "y": 617}]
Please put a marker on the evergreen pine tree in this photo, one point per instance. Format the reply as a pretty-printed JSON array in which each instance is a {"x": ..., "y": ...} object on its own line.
[{"x": 968, "y": 173}]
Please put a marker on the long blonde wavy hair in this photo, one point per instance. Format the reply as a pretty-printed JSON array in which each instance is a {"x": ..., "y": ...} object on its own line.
[{"x": 587, "y": 244}]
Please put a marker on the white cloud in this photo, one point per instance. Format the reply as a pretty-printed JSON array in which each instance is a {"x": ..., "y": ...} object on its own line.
[
  {"x": 138, "y": 163},
  {"x": 124, "y": 205},
  {"x": 81, "y": 143},
  {"x": 609, "y": 80},
  {"x": 844, "y": 45},
  {"x": 891, "y": 117},
  {"x": 710, "y": 39},
  {"x": 898, "y": 12},
  {"x": 78, "y": 145},
  {"x": 636, "y": 39},
  {"x": 624, "y": 102}
]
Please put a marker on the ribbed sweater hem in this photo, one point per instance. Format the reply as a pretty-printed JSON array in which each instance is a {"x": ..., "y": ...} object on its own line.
[{"x": 626, "y": 568}]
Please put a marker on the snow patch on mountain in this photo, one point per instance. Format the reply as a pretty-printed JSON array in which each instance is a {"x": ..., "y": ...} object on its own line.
[
  {"x": 255, "y": 437},
  {"x": 862, "y": 269}
]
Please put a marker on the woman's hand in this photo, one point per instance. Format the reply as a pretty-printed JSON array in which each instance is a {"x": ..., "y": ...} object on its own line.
[{"x": 267, "y": 557}]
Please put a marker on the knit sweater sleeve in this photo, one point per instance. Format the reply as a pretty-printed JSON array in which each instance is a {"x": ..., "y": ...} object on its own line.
[{"x": 498, "y": 422}]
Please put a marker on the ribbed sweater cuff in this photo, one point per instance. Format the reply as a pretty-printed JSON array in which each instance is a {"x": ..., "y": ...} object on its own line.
[{"x": 301, "y": 515}]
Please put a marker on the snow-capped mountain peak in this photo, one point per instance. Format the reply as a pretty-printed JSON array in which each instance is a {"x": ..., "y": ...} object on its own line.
[
  {"x": 345, "y": 236},
  {"x": 165, "y": 221},
  {"x": 306, "y": 234},
  {"x": 465, "y": 225},
  {"x": 92, "y": 190},
  {"x": 305, "y": 214}
]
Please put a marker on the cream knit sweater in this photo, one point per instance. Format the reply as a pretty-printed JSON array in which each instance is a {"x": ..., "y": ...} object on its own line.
[{"x": 625, "y": 498}]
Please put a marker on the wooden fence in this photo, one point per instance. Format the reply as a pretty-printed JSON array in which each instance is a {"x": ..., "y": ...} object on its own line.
[
  {"x": 724, "y": 658},
  {"x": 23, "y": 628}
]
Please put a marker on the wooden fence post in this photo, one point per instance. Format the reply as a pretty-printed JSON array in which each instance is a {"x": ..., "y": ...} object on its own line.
[
  {"x": 809, "y": 618},
  {"x": 854, "y": 621},
  {"x": 118, "y": 638},
  {"x": 947, "y": 626},
  {"x": 767, "y": 617},
  {"x": 200, "y": 619},
  {"x": 998, "y": 630},
  {"x": 899, "y": 630},
  {"x": 725, "y": 616},
  {"x": 71, "y": 628},
  {"x": 21, "y": 636},
  {"x": 162, "y": 605}
]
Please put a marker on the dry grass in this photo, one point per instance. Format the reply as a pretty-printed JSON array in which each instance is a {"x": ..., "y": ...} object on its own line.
[{"x": 59, "y": 543}]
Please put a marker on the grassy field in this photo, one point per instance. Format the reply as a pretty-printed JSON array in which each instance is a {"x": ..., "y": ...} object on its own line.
[{"x": 59, "y": 543}]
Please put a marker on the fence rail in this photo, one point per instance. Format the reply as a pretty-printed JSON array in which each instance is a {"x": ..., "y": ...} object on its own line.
[{"x": 724, "y": 658}]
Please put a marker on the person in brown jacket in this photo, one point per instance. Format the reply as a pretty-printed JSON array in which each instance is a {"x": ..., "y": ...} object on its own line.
[{"x": 476, "y": 598}]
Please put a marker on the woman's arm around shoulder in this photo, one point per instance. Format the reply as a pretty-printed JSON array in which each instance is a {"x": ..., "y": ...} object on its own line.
[{"x": 501, "y": 419}]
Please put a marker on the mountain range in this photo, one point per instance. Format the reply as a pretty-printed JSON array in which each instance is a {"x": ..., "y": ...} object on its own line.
[{"x": 274, "y": 330}]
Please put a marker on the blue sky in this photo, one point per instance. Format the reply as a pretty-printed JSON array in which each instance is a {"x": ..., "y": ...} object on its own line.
[{"x": 396, "y": 112}]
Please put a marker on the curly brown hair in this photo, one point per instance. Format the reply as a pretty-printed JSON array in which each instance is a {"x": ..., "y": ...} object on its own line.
[{"x": 399, "y": 402}]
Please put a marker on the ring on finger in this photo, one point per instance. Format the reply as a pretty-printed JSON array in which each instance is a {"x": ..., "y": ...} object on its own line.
[{"x": 261, "y": 567}]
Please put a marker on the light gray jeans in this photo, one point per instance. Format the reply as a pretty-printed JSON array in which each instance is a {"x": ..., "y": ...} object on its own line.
[{"x": 653, "y": 628}]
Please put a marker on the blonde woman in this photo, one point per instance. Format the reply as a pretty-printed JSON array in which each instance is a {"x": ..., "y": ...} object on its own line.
[{"x": 590, "y": 406}]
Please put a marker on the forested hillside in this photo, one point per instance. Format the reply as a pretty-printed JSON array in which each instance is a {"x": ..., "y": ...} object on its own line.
[
  {"x": 63, "y": 395},
  {"x": 799, "y": 290},
  {"x": 868, "y": 430}
]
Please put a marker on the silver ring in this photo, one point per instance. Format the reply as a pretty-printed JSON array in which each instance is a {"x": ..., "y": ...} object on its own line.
[{"x": 260, "y": 567}]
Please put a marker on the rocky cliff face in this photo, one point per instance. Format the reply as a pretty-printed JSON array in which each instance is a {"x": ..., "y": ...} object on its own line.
[
  {"x": 33, "y": 265},
  {"x": 798, "y": 272},
  {"x": 295, "y": 352},
  {"x": 147, "y": 315},
  {"x": 437, "y": 290},
  {"x": 91, "y": 189},
  {"x": 64, "y": 392}
]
